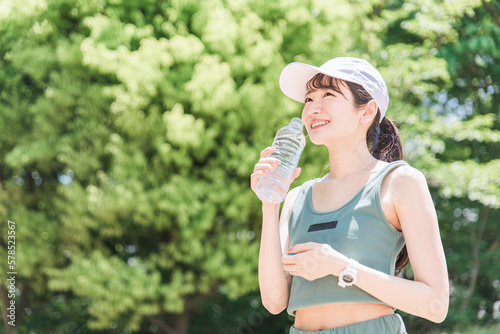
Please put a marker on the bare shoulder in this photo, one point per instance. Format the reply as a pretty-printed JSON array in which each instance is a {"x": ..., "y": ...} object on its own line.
[
  {"x": 410, "y": 193},
  {"x": 406, "y": 178},
  {"x": 404, "y": 186}
]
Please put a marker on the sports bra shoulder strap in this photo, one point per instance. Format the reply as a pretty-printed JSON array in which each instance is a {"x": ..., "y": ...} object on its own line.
[{"x": 299, "y": 201}]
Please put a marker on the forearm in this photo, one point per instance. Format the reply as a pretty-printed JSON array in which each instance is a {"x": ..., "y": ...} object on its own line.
[
  {"x": 272, "y": 278},
  {"x": 410, "y": 296}
]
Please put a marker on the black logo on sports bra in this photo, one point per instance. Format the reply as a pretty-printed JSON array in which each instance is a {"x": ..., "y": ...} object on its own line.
[{"x": 323, "y": 226}]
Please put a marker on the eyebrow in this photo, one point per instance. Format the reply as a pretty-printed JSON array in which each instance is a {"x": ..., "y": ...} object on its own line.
[{"x": 309, "y": 91}]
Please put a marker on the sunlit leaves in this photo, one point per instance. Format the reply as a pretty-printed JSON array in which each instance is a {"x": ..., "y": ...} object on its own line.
[
  {"x": 478, "y": 182},
  {"x": 212, "y": 88},
  {"x": 108, "y": 282},
  {"x": 435, "y": 20}
]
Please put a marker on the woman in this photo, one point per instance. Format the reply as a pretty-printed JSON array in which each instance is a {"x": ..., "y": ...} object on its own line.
[{"x": 332, "y": 257}]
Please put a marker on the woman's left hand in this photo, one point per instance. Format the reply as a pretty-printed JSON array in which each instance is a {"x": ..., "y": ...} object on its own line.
[{"x": 312, "y": 260}]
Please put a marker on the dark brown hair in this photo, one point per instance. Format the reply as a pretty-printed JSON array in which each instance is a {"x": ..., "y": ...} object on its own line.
[{"x": 382, "y": 137}]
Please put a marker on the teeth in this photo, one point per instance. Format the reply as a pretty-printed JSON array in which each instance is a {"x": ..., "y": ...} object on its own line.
[{"x": 315, "y": 124}]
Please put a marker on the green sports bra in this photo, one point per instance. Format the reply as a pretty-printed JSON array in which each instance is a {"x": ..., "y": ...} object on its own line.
[{"x": 359, "y": 230}]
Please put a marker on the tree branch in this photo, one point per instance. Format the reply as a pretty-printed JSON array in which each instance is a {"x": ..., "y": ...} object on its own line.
[
  {"x": 166, "y": 328},
  {"x": 190, "y": 303},
  {"x": 476, "y": 262},
  {"x": 492, "y": 12},
  {"x": 493, "y": 245}
]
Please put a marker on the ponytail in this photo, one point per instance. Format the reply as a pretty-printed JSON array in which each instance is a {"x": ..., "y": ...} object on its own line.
[
  {"x": 383, "y": 140},
  {"x": 384, "y": 144}
]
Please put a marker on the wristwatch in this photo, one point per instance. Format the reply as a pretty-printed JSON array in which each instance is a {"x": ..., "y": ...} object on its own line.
[{"x": 349, "y": 275}]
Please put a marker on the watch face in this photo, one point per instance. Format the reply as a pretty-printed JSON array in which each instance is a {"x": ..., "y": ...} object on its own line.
[{"x": 347, "y": 278}]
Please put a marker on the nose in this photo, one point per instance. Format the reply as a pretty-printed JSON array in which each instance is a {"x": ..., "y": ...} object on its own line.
[{"x": 311, "y": 108}]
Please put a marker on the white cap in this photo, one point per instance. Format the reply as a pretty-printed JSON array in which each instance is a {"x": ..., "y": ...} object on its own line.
[{"x": 294, "y": 77}]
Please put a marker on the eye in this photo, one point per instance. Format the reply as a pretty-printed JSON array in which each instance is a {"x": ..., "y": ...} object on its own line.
[
  {"x": 308, "y": 99},
  {"x": 329, "y": 94}
]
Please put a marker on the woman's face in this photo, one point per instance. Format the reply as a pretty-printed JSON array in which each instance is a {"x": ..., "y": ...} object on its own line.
[{"x": 329, "y": 116}]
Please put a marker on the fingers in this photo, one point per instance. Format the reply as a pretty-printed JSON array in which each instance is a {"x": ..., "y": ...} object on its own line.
[
  {"x": 266, "y": 162},
  {"x": 264, "y": 165},
  {"x": 296, "y": 173},
  {"x": 300, "y": 265},
  {"x": 289, "y": 259},
  {"x": 299, "y": 248},
  {"x": 294, "y": 254},
  {"x": 289, "y": 263},
  {"x": 265, "y": 152}
]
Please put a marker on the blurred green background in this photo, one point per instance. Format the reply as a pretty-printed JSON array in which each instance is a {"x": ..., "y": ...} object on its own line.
[{"x": 129, "y": 129}]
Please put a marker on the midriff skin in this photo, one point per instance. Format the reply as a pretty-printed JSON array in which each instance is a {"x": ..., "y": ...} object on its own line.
[{"x": 337, "y": 315}]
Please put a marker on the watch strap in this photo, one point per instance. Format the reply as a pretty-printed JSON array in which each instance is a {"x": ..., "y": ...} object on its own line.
[{"x": 349, "y": 275}]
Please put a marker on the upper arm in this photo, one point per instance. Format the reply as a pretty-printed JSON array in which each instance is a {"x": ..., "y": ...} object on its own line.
[
  {"x": 284, "y": 221},
  {"x": 418, "y": 219}
]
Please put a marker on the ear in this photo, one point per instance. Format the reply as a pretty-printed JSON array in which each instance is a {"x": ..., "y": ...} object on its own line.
[{"x": 369, "y": 112}]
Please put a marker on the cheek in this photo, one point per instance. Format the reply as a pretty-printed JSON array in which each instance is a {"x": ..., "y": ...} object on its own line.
[{"x": 303, "y": 118}]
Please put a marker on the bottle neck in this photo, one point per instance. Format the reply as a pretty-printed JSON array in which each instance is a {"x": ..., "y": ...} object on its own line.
[{"x": 296, "y": 124}]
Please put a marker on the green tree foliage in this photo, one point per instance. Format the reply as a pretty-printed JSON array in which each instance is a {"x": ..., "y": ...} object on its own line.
[
  {"x": 129, "y": 129},
  {"x": 467, "y": 181}
]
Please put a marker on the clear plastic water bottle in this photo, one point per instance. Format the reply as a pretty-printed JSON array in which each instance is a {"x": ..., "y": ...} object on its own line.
[{"x": 289, "y": 143}]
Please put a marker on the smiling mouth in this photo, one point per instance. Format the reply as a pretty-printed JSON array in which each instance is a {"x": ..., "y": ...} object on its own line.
[{"x": 317, "y": 124}]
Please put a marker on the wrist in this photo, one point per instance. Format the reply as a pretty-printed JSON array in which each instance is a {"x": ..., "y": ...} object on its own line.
[
  {"x": 339, "y": 265},
  {"x": 349, "y": 276},
  {"x": 270, "y": 212},
  {"x": 266, "y": 207}
]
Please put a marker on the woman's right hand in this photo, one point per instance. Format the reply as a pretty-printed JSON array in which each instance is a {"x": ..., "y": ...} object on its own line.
[{"x": 265, "y": 165}]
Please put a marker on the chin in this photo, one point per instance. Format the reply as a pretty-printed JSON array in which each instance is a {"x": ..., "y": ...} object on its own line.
[{"x": 317, "y": 141}]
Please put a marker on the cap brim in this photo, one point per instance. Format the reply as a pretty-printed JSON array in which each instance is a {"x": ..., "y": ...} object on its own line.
[
  {"x": 294, "y": 77},
  {"x": 293, "y": 80}
]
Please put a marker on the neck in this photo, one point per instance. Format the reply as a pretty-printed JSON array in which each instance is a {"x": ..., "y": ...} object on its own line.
[{"x": 346, "y": 160}]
